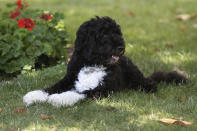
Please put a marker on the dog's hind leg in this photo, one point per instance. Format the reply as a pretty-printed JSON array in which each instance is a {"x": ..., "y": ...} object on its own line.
[
  {"x": 134, "y": 77},
  {"x": 169, "y": 77}
]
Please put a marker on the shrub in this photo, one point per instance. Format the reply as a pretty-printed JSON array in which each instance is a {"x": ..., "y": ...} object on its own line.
[{"x": 26, "y": 35}]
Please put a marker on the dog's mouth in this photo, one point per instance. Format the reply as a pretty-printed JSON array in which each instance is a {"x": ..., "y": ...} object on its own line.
[{"x": 114, "y": 59}]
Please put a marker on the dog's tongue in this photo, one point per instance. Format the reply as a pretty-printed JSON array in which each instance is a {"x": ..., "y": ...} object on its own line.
[{"x": 116, "y": 58}]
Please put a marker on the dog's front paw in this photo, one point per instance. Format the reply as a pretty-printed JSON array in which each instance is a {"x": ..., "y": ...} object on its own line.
[
  {"x": 35, "y": 96},
  {"x": 68, "y": 98}
]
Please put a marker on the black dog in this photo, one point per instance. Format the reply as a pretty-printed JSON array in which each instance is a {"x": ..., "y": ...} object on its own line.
[{"x": 98, "y": 66}]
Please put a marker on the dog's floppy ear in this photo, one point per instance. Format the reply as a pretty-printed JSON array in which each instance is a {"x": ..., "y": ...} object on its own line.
[
  {"x": 85, "y": 40},
  {"x": 81, "y": 38}
]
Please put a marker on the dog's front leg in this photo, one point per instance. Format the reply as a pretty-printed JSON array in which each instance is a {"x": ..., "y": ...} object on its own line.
[
  {"x": 42, "y": 95},
  {"x": 65, "y": 84}
]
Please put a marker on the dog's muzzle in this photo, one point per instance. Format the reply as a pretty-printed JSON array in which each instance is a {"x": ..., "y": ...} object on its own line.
[{"x": 114, "y": 59}]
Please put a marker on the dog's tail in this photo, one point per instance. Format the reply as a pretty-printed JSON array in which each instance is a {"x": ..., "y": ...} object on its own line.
[{"x": 176, "y": 76}]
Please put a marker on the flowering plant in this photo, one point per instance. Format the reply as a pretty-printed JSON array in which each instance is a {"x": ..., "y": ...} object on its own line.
[
  {"x": 26, "y": 23},
  {"x": 14, "y": 14},
  {"x": 46, "y": 16},
  {"x": 27, "y": 35}
]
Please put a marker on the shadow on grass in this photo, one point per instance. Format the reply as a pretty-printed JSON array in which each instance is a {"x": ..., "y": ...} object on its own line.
[
  {"x": 87, "y": 115},
  {"x": 128, "y": 110}
]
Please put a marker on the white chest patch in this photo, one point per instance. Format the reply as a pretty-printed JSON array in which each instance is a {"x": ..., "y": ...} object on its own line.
[{"x": 89, "y": 78}]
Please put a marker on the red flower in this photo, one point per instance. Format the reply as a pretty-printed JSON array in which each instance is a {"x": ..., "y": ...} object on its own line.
[
  {"x": 14, "y": 14},
  {"x": 29, "y": 24},
  {"x": 46, "y": 16},
  {"x": 20, "y": 6},
  {"x": 26, "y": 23},
  {"x": 21, "y": 23},
  {"x": 19, "y": 3}
]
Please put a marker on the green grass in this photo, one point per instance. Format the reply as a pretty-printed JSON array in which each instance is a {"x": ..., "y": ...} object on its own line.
[{"x": 147, "y": 35}]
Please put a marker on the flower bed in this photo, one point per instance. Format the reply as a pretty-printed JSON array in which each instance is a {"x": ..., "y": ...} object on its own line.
[{"x": 30, "y": 37}]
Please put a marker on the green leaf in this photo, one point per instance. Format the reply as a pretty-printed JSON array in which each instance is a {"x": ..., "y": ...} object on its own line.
[
  {"x": 37, "y": 43},
  {"x": 31, "y": 38}
]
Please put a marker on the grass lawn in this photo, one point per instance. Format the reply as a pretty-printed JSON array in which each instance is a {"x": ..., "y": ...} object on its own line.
[{"x": 155, "y": 41}]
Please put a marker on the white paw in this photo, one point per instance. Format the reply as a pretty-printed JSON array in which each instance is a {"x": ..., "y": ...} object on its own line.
[
  {"x": 35, "y": 96},
  {"x": 68, "y": 98}
]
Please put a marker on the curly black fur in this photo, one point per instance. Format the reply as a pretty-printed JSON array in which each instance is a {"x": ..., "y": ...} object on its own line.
[{"x": 97, "y": 41}]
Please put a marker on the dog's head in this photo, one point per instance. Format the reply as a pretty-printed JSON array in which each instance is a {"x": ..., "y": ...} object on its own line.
[{"x": 99, "y": 41}]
